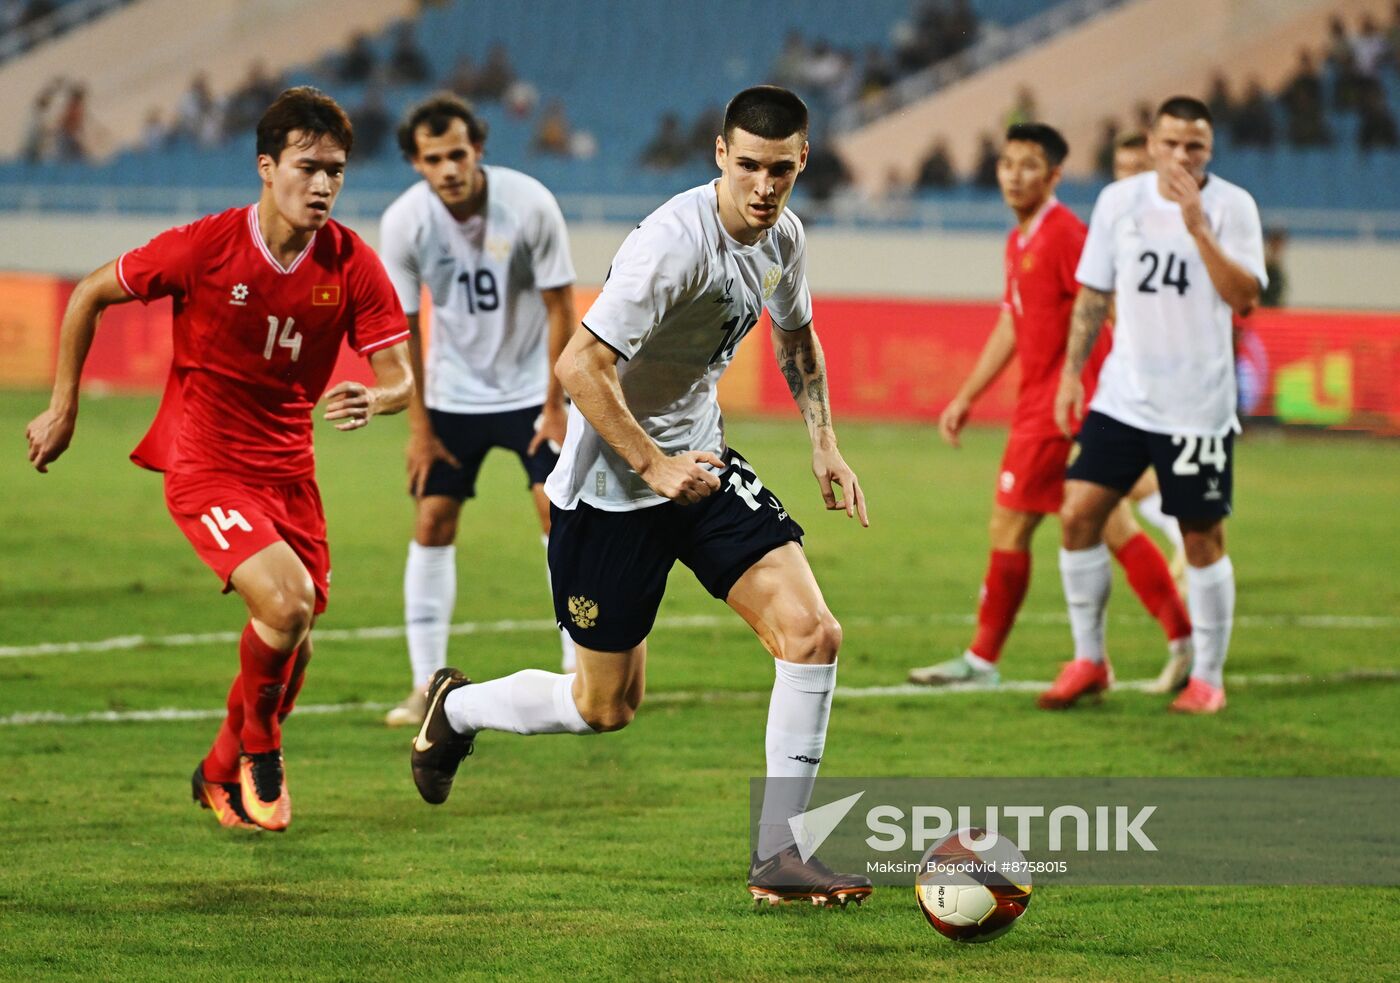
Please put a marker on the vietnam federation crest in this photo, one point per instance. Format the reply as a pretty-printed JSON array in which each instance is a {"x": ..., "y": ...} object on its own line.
[
  {"x": 582, "y": 611},
  {"x": 770, "y": 280}
]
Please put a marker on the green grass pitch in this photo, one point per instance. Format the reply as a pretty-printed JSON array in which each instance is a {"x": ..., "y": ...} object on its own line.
[{"x": 623, "y": 856}]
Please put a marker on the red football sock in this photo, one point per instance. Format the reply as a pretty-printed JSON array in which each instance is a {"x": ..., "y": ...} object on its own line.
[
  {"x": 1151, "y": 579},
  {"x": 221, "y": 764},
  {"x": 264, "y": 679},
  {"x": 1008, "y": 576},
  {"x": 298, "y": 673}
]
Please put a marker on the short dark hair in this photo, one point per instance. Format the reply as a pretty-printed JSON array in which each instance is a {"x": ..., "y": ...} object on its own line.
[
  {"x": 308, "y": 109},
  {"x": 1183, "y": 107},
  {"x": 767, "y": 111},
  {"x": 1132, "y": 140},
  {"x": 1047, "y": 138},
  {"x": 437, "y": 113}
]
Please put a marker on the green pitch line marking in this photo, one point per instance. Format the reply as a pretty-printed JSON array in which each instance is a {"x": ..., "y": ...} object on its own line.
[
  {"x": 715, "y": 696},
  {"x": 1330, "y": 622}
]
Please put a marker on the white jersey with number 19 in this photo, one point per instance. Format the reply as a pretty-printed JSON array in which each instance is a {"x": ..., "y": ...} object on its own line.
[
  {"x": 488, "y": 351},
  {"x": 681, "y": 294},
  {"x": 1172, "y": 367}
]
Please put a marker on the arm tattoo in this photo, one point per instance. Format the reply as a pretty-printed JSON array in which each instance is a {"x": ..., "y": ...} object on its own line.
[
  {"x": 804, "y": 369},
  {"x": 1090, "y": 309}
]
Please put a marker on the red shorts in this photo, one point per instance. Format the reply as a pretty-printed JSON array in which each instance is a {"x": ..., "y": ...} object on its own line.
[
  {"x": 227, "y": 521},
  {"x": 1032, "y": 477}
]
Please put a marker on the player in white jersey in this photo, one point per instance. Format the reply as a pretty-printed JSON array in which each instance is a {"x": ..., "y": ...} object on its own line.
[
  {"x": 646, "y": 478},
  {"x": 1179, "y": 251},
  {"x": 490, "y": 245}
]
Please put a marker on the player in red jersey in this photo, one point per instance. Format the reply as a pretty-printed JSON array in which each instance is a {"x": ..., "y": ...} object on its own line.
[
  {"x": 1042, "y": 254},
  {"x": 263, "y": 296}
]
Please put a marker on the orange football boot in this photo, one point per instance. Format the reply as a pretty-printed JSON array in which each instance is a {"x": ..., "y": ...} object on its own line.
[
  {"x": 1077, "y": 678},
  {"x": 1199, "y": 696},
  {"x": 264, "y": 784},
  {"x": 224, "y": 799}
]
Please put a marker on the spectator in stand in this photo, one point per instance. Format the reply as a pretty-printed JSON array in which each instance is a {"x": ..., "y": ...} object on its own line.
[
  {"x": 1024, "y": 110},
  {"x": 359, "y": 61},
  {"x": 1346, "y": 94},
  {"x": 824, "y": 175},
  {"x": 984, "y": 175},
  {"x": 43, "y": 120},
  {"x": 962, "y": 26},
  {"x": 1108, "y": 146},
  {"x": 1377, "y": 128},
  {"x": 407, "y": 62},
  {"x": 199, "y": 117},
  {"x": 1222, "y": 106},
  {"x": 372, "y": 122},
  {"x": 669, "y": 147},
  {"x": 878, "y": 74},
  {"x": 37, "y": 11},
  {"x": 791, "y": 67},
  {"x": 552, "y": 135},
  {"x": 1276, "y": 293},
  {"x": 936, "y": 169},
  {"x": 1368, "y": 48},
  {"x": 72, "y": 139},
  {"x": 703, "y": 131},
  {"x": 462, "y": 78},
  {"x": 1307, "y": 123},
  {"x": 246, "y": 105},
  {"x": 496, "y": 75},
  {"x": 1306, "y": 83},
  {"x": 1253, "y": 125},
  {"x": 154, "y": 133}
]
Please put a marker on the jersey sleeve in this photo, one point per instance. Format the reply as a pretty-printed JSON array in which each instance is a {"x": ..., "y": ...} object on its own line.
[
  {"x": 377, "y": 319},
  {"x": 1096, "y": 267},
  {"x": 652, "y": 272},
  {"x": 791, "y": 303},
  {"x": 549, "y": 245},
  {"x": 162, "y": 267},
  {"x": 1242, "y": 237},
  {"x": 1007, "y": 287},
  {"x": 1069, "y": 251},
  {"x": 400, "y": 255}
]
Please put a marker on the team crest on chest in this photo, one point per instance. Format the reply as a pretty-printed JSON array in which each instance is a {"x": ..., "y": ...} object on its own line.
[
  {"x": 1028, "y": 262},
  {"x": 327, "y": 295},
  {"x": 498, "y": 249},
  {"x": 771, "y": 276}
]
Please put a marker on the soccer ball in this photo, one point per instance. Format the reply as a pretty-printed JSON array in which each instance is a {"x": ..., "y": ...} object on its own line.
[{"x": 972, "y": 886}]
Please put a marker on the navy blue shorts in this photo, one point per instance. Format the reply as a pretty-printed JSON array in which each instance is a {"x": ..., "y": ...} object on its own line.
[
  {"x": 1196, "y": 474},
  {"x": 609, "y": 569},
  {"x": 470, "y": 435}
]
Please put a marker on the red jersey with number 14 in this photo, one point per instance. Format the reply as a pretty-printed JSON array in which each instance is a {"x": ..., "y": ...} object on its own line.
[
  {"x": 1040, "y": 292},
  {"x": 255, "y": 344}
]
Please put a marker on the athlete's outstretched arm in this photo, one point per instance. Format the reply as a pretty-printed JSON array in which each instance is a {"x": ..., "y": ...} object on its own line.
[
  {"x": 588, "y": 372},
  {"x": 351, "y": 405},
  {"x": 800, "y": 358},
  {"x": 996, "y": 356},
  {"x": 51, "y": 431},
  {"x": 559, "y": 309},
  {"x": 1091, "y": 309},
  {"x": 1235, "y": 284}
]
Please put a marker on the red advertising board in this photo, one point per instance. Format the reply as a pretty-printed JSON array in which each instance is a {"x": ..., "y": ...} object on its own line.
[{"x": 888, "y": 359}]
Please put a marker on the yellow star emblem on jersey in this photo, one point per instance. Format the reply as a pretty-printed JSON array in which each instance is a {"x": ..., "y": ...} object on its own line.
[
  {"x": 770, "y": 280},
  {"x": 498, "y": 249},
  {"x": 582, "y": 611}
]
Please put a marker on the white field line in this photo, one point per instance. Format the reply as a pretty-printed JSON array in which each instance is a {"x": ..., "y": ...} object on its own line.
[
  {"x": 1354, "y": 622},
  {"x": 711, "y": 696}
]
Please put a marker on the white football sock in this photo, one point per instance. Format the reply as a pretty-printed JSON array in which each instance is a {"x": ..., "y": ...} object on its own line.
[
  {"x": 531, "y": 701},
  {"x": 1087, "y": 578},
  {"x": 797, "y": 716},
  {"x": 570, "y": 655},
  {"x": 429, "y": 593},
  {"x": 1211, "y": 593},
  {"x": 1150, "y": 508}
]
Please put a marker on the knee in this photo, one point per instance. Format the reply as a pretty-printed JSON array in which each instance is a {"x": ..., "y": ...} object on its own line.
[
  {"x": 814, "y": 638},
  {"x": 608, "y": 714},
  {"x": 1077, "y": 524},
  {"x": 436, "y": 526},
  {"x": 290, "y": 610}
]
